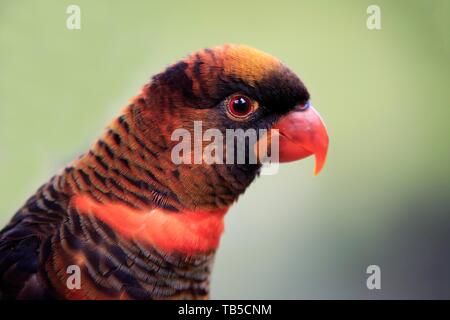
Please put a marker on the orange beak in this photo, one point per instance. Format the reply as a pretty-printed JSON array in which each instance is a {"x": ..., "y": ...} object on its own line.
[{"x": 302, "y": 133}]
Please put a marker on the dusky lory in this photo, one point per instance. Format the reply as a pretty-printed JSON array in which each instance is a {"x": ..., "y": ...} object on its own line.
[{"x": 137, "y": 224}]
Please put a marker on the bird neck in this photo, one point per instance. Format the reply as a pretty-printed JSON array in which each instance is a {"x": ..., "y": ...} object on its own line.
[{"x": 131, "y": 163}]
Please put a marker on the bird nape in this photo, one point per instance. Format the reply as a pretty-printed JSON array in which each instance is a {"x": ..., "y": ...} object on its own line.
[{"x": 128, "y": 219}]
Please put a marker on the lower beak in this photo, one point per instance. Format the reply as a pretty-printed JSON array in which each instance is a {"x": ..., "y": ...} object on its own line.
[{"x": 302, "y": 133}]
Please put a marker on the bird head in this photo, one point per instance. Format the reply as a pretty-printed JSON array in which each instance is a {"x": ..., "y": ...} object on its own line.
[{"x": 231, "y": 87}]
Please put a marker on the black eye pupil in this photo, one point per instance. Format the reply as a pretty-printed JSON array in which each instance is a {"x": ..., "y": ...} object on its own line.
[{"x": 240, "y": 105}]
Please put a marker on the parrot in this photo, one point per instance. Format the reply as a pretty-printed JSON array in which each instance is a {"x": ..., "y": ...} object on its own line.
[{"x": 124, "y": 221}]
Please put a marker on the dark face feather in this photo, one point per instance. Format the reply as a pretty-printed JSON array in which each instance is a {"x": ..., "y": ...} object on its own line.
[{"x": 206, "y": 79}]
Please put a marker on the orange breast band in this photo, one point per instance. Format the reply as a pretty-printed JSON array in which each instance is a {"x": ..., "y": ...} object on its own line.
[{"x": 186, "y": 232}]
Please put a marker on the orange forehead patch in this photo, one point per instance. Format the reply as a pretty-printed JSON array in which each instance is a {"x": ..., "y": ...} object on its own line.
[
  {"x": 240, "y": 61},
  {"x": 186, "y": 232},
  {"x": 247, "y": 63}
]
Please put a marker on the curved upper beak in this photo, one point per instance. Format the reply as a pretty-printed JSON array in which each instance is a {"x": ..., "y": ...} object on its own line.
[{"x": 302, "y": 133}]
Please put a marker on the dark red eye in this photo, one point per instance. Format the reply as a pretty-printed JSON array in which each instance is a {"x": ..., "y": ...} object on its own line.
[{"x": 240, "y": 106}]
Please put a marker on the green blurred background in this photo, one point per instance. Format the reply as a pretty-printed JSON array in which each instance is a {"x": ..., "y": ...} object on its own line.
[{"x": 384, "y": 196}]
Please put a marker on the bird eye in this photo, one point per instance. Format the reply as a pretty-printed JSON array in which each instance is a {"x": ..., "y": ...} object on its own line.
[
  {"x": 240, "y": 106},
  {"x": 304, "y": 106}
]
